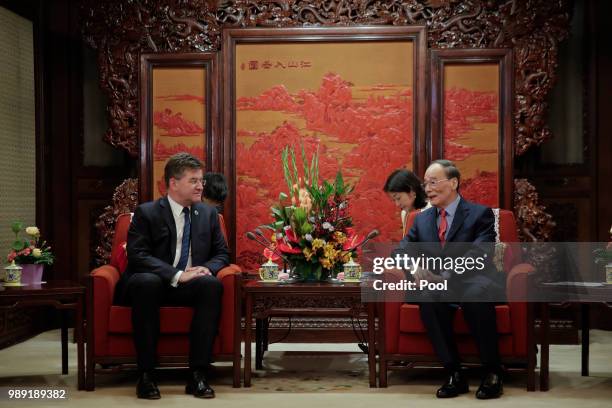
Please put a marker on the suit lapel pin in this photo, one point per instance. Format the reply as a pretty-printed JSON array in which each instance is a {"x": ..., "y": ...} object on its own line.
[{"x": 195, "y": 212}]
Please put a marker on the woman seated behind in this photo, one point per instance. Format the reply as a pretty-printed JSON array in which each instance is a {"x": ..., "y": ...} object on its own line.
[
  {"x": 406, "y": 191},
  {"x": 215, "y": 190}
]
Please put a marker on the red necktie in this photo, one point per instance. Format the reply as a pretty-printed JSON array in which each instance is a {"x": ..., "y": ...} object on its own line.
[{"x": 442, "y": 227}]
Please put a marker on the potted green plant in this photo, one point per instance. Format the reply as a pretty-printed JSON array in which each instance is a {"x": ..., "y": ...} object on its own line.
[{"x": 30, "y": 253}]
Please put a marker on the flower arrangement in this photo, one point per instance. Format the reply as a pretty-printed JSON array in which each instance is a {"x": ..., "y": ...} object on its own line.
[
  {"x": 312, "y": 227},
  {"x": 29, "y": 250}
]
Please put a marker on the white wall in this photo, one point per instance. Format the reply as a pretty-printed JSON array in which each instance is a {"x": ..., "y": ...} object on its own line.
[{"x": 17, "y": 127}]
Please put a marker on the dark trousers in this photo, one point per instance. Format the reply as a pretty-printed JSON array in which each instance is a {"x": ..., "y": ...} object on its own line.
[
  {"x": 480, "y": 317},
  {"x": 146, "y": 292}
]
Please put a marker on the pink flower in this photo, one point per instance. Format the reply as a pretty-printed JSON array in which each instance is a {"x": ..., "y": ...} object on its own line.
[
  {"x": 27, "y": 251},
  {"x": 340, "y": 276}
]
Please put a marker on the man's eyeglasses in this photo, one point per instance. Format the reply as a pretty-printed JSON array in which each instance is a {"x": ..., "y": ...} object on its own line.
[
  {"x": 195, "y": 181},
  {"x": 432, "y": 183}
]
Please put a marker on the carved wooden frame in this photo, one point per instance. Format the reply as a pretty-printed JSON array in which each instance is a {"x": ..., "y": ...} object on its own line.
[
  {"x": 503, "y": 57},
  {"x": 120, "y": 32},
  {"x": 234, "y": 36},
  {"x": 209, "y": 62}
]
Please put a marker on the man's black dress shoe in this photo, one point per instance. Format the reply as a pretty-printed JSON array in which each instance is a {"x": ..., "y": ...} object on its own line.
[
  {"x": 198, "y": 386},
  {"x": 455, "y": 384},
  {"x": 146, "y": 388},
  {"x": 491, "y": 386}
]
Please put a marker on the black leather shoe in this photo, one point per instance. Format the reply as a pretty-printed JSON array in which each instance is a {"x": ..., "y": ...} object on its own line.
[
  {"x": 146, "y": 388},
  {"x": 456, "y": 384},
  {"x": 491, "y": 386},
  {"x": 198, "y": 386}
]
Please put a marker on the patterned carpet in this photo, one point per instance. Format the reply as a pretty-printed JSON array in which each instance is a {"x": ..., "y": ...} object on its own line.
[
  {"x": 299, "y": 375},
  {"x": 308, "y": 372}
]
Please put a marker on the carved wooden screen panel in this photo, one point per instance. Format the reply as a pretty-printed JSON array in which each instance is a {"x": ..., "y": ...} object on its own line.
[
  {"x": 356, "y": 94},
  {"x": 179, "y": 102},
  {"x": 472, "y": 120}
]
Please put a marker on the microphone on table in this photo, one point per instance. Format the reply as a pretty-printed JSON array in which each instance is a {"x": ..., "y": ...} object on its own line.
[
  {"x": 261, "y": 235},
  {"x": 250, "y": 235},
  {"x": 373, "y": 234}
]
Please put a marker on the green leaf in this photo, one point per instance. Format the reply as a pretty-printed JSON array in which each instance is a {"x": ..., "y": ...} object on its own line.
[
  {"x": 306, "y": 228},
  {"x": 329, "y": 189},
  {"x": 318, "y": 271},
  {"x": 288, "y": 213},
  {"x": 296, "y": 176},
  {"x": 282, "y": 196},
  {"x": 300, "y": 216},
  {"x": 278, "y": 212},
  {"x": 315, "y": 176},
  {"x": 286, "y": 173},
  {"x": 18, "y": 245},
  {"x": 313, "y": 182},
  {"x": 305, "y": 165},
  {"x": 339, "y": 183},
  {"x": 17, "y": 226}
]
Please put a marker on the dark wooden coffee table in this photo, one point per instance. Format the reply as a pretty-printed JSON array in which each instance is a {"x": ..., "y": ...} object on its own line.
[
  {"x": 265, "y": 300},
  {"x": 63, "y": 295}
]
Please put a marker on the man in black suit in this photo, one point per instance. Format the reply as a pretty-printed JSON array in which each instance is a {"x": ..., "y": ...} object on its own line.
[
  {"x": 451, "y": 221},
  {"x": 175, "y": 248}
]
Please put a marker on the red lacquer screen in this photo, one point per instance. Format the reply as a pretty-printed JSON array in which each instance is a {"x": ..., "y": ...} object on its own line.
[
  {"x": 471, "y": 128},
  {"x": 179, "y": 117},
  {"x": 352, "y": 101}
]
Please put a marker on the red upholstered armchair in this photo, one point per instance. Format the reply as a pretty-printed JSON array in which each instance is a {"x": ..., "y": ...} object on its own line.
[
  {"x": 110, "y": 328},
  {"x": 402, "y": 336}
]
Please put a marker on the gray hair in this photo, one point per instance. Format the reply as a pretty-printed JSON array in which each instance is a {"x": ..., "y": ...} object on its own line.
[{"x": 450, "y": 170}]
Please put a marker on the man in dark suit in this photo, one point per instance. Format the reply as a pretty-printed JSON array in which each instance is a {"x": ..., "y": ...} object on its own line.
[
  {"x": 451, "y": 222},
  {"x": 175, "y": 248}
]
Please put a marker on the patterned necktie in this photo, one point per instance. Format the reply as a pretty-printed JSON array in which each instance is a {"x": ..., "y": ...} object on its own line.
[
  {"x": 185, "y": 243},
  {"x": 442, "y": 227}
]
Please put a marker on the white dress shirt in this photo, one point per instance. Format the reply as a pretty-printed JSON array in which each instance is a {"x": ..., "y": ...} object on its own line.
[{"x": 179, "y": 221}]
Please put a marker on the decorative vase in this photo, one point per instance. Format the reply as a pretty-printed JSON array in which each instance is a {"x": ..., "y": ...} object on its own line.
[
  {"x": 269, "y": 271},
  {"x": 31, "y": 274},
  {"x": 352, "y": 271},
  {"x": 13, "y": 275},
  {"x": 309, "y": 272}
]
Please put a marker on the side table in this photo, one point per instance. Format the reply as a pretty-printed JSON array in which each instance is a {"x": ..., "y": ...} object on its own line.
[
  {"x": 582, "y": 293},
  {"x": 63, "y": 295}
]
